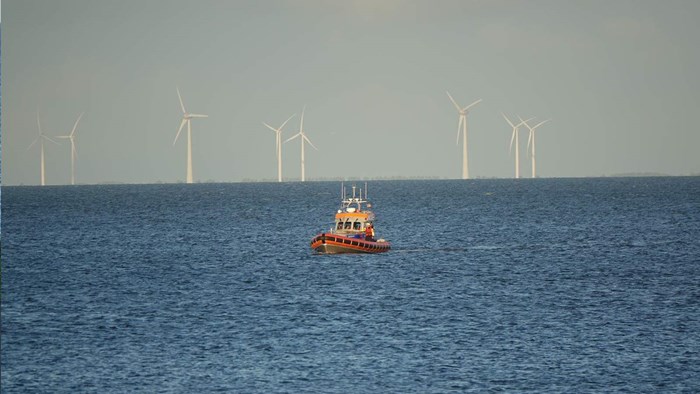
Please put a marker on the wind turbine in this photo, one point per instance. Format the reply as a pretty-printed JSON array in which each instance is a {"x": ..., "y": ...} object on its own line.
[
  {"x": 73, "y": 151},
  {"x": 278, "y": 146},
  {"x": 531, "y": 137},
  {"x": 187, "y": 118},
  {"x": 512, "y": 137},
  {"x": 303, "y": 138},
  {"x": 462, "y": 127},
  {"x": 41, "y": 139}
]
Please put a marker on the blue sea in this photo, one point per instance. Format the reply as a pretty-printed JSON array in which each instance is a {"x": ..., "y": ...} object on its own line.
[{"x": 531, "y": 285}]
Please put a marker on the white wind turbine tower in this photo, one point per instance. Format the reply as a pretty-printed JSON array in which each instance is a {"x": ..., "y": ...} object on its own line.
[
  {"x": 73, "y": 151},
  {"x": 531, "y": 138},
  {"x": 187, "y": 118},
  {"x": 41, "y": 139},
  {"x": 462, "y": 127},
  {"x": 303, "y": 138},
  {"x": 514, "y": 136},
  {"x": 278, "y": 146}
]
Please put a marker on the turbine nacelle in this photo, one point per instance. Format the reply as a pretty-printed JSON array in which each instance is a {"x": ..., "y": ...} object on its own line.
[
  {"x": 71, "y": 136},
  {"x": 278, "y": 145},
  {"x": 462, "y": 129},
  {"x": 41, "y": 137},
  {"x": 524, "y": 122},
  {"x": 462, "y": 111},
  {"x": 186, "y": 116},
  {"x": 187, "y": 120},
  {"x": 303, "y": 139},
  {"x": 531, "y": 141},
  {"x": 279, "y": 129},
  {"x": 531, "y": 134},
  {"x": 301, "y": 131},
  {"x": 515, "y": 129}
]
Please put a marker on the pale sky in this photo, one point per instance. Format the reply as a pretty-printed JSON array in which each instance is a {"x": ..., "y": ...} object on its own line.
[{"x": 618, "y": 78}]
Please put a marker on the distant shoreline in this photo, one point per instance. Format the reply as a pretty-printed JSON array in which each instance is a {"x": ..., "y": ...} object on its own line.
[{"x": 357, "y": 179}]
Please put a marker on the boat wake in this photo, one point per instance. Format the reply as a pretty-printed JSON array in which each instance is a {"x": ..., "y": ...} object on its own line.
[{"x": 447, "y": 249}]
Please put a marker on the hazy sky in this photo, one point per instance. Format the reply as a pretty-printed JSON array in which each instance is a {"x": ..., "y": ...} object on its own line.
[{"x": 618, "y": 78}]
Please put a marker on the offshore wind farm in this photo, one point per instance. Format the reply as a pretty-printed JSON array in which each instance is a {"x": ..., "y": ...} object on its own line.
[
  {"x": 364, "y": 81},
  {"x": 187, "y": 119}
]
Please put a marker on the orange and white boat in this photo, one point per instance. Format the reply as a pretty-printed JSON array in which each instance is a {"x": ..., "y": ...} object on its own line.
[{"x": 353, "y": 230}]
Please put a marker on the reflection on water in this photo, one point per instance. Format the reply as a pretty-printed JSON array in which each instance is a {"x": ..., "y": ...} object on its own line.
[{"x": 562, "y": 285}]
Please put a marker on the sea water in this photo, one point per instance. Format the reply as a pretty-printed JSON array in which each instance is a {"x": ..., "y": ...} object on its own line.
[{"x": 544, "y": 285}]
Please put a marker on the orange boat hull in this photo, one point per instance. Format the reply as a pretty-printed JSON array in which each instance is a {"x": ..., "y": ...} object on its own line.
[{"x": 334, "y": 243}]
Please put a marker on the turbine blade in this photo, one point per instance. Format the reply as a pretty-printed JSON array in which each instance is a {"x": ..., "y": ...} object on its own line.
[
  {"x": 523, "y": 122},
  {"x": 529, "y": 140},
  {"x": 301, "y": 125},
  {"x": 459, "y": 128},
  {"x": 182, "y": 124},
  {"x": 76, "y": 124},
  {"x": 293, "y": 137},
  {"x": 512, "y": 137},
  {"x": 471, "y": 105},
  {"x": 38, "y": 122},
  {"x": 32, "y": 144},
  {"x": 51, "y": 139},
  {"x": 309, "y": 141},
  {"x": 198, "y": 116},
  {"x": 270, "y": 127},
  {"x": 285, "y": 122},
  {"x": 507, "y": 120},
  {"x": 180, "y": 97},
  {"x": 453, "y": 101},
  {"x": 540, "y": 124}
]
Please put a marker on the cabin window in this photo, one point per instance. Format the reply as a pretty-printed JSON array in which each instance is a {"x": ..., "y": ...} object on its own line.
[
  {"x": 357, "y": 225},
  {"x": 348, "y": 225},
  {"x": 340, "y": 226}
]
